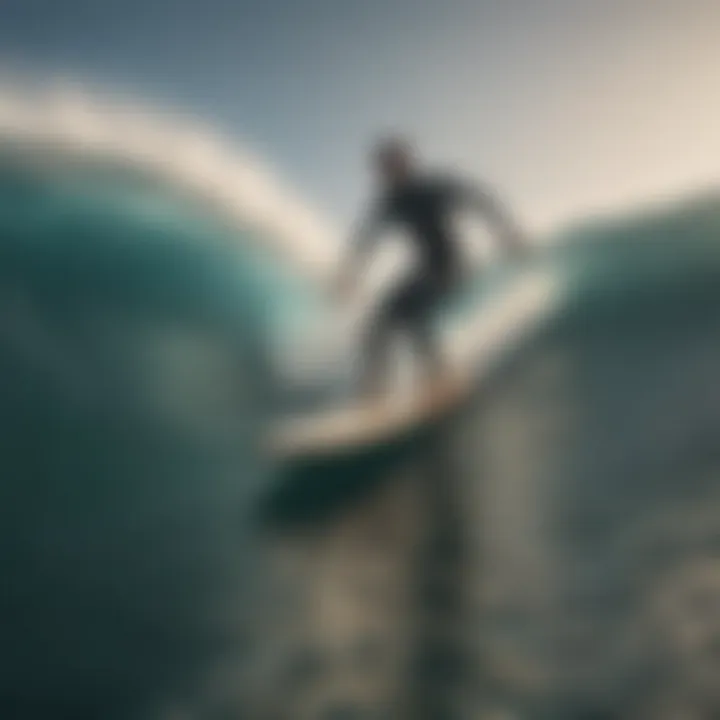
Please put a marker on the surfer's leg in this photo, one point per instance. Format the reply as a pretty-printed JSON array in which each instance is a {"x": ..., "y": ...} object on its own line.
[
  {"x": 427, "y": 294},
  {"x": 428, "y": 348},
  {"x": 392, "y": 316},
  {"x": 375, "y": 356},
  {"x": 376, "y": 350}
]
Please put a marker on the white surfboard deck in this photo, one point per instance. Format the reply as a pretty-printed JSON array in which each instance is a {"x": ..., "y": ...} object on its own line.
[
  {"x": 368, "y": 422},
  {"x": 478, "y": 345}
]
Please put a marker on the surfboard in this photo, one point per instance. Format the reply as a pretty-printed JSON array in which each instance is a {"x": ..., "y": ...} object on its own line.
[{"x": 367, "y": 423}]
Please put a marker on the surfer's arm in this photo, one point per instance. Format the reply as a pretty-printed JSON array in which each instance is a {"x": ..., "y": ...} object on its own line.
[
  {"x": 365, "y": 237},
  {"x": 485, "y": 202},
  {"x": 361, "y": 245}
]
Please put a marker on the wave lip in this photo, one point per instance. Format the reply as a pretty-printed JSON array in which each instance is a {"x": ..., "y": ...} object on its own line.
[{"x": 64, "y": 122}]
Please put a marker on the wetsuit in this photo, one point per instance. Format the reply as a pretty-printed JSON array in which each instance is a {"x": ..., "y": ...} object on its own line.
[{"x": 424, "y": 208}]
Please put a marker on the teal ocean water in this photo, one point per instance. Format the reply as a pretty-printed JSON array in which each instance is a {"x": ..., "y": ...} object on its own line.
[{"x": 136, "y": 374}]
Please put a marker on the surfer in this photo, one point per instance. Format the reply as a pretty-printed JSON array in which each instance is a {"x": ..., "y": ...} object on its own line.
[{"x": 423, "y": 205}]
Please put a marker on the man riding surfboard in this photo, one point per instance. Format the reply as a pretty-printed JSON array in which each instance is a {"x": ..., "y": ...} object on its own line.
[{"x": 423, "y": 205}]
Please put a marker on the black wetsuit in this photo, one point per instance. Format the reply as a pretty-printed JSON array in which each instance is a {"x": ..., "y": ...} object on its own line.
[{"x": 423, "y": 208}]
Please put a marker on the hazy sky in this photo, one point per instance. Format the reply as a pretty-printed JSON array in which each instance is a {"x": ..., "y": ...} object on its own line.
[{"x": 566, "y": 105}]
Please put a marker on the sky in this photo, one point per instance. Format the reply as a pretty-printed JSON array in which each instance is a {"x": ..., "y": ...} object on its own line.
[{"x": 567, "y": 106}]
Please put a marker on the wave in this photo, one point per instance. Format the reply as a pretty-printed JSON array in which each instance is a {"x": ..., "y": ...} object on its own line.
[
  {"x": 64, "y": 121},
  {"x": 116, "y": 161}
]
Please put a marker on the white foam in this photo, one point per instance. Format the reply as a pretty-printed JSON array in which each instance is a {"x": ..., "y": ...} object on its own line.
[{"x": 64, "y": 119}]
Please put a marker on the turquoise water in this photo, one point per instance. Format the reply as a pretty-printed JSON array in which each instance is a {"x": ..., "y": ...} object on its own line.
[
  {"x": 104, "y": 208},
  {"x": 136, "y": 331}
]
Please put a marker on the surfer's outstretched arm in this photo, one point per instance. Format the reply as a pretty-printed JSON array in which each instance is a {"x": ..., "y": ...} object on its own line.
[
  {"x": 362, "y": 243},
  {"x": 507, "y": 232}
]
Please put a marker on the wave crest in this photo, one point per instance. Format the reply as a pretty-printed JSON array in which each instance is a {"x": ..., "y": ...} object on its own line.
[{"x": 63, "y": 121}]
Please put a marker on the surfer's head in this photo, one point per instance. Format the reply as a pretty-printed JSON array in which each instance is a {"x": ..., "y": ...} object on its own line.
[{"x": 394, "y": 160}]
